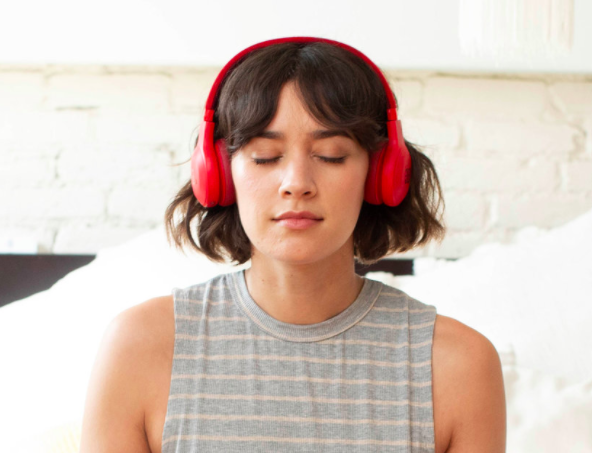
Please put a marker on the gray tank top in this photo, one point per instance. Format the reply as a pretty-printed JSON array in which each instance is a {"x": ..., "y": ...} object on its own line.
[{"x": 243, "y": 381}]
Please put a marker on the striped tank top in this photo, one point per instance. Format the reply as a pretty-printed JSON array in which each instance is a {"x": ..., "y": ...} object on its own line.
[{"x": 243, "y": 381}]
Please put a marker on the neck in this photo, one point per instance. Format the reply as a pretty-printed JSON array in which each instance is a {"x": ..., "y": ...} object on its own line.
[{"x": 305, "y": 293}]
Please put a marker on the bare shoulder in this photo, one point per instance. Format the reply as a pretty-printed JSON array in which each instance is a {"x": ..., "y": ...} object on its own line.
[
  {"x": 153, "y": 324},
  {"x": 130, "y": 350},
  {"x": 146, "y": 332},
  {"x": 148, "y": 326},
  {"x": 153, "y": 318},
  {"x": 469, "y": 396}
]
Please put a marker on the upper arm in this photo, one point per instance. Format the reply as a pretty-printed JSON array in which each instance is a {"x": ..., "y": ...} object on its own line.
[
  {"x": 473, "y": 369},
  {"x": 113, "y": 418}
]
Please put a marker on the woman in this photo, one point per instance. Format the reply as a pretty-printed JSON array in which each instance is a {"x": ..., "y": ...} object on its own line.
[{"x": 298, "y": 352}]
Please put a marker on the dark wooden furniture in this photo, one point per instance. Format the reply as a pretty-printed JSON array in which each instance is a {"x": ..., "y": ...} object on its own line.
[{"x": 24, "y": 275}]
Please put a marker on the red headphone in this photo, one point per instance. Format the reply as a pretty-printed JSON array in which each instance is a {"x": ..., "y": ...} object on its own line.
[{"x": 389, "y": 171}]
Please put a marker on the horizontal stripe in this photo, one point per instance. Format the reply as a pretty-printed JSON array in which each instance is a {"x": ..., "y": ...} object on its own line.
[
  {"x": 404, "y": 310},
  {"x": 297, "y": 399},
  {"x": 282, "y": 358},
  {"x": 212, "y": 318},
  {"x": 293, "y": 419},
  {"x": 300, "y": 440},
  {"x": 361, "y": 323},
  {"x": 382, "y": 344},
  {"x": 386, "y": 309},
  {"x": 257, "y": 377},
  {"x": 396, "y": 326}
]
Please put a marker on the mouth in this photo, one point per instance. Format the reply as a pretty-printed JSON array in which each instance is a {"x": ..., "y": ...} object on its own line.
[{"x": 298, "y": 223}]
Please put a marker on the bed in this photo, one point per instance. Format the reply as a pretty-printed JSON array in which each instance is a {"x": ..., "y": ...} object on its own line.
[{"x": 532, "y": 298}]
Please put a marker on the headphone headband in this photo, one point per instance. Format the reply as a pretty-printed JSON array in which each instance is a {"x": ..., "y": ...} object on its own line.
[{"x": 209, "y": 114}]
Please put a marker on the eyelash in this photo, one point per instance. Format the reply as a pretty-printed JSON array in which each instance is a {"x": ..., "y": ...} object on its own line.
[{"x": 335, "y": 160}]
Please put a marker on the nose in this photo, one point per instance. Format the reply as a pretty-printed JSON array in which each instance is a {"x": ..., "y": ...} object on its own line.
[{"x": 298, "y": 179}]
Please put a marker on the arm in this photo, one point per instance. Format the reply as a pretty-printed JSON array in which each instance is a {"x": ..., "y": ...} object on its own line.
[
  {"x": 113, "y": 418},
  {"x": 474, "y": 370}
]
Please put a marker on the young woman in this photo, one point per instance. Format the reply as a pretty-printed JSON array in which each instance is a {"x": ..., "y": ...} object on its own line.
[{"x": 301, "y": 168}]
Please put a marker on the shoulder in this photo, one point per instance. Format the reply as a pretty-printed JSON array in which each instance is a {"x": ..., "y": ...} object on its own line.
[
  {"x": 468, "y": 382},
  {"x": 122, "y": 379},
  {"x": 458, "y": 338},
  {"x": 145, "y": 327},
  {"x": 458, "y": 347}
]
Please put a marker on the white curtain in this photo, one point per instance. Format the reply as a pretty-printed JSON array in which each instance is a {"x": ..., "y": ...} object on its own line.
[{"x": 515, "y": 29}]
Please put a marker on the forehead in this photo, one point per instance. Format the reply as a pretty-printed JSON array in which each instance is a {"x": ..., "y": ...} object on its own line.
[{"x": 291, "y": 109}]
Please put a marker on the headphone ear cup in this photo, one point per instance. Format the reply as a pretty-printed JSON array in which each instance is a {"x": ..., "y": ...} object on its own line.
[
  {"x": 396, "y": 167},
  {"x": 227, "y": 192},
  {"x": 204, "y": 167},
  {"x": 373, "y": 186}
]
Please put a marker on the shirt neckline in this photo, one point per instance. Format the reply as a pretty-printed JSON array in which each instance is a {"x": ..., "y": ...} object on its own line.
[{"x": 303, "y": 332}]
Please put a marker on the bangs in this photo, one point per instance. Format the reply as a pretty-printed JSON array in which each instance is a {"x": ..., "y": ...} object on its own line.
[{"x": 349, "y": 97}]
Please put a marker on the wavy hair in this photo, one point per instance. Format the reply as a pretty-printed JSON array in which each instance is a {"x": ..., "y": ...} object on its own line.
[{"x": 340, "y": 91}]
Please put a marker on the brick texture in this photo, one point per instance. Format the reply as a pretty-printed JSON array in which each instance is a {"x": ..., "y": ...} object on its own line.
[{"x": 89, "y": 155}]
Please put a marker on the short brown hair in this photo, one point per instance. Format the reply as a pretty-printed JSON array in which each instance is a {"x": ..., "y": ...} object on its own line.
[{"x": 341, "y": 91}]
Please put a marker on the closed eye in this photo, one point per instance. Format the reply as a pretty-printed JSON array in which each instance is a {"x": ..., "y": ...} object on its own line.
[{"x": 332, "y": 160}]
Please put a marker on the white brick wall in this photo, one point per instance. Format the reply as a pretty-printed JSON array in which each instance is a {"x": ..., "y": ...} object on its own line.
[{"x": 87, "y": 153}]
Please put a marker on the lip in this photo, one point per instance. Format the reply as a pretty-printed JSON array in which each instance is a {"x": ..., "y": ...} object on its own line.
[
  {"x": 298, "y": 224},
  {"x": 298, "y": 215}
]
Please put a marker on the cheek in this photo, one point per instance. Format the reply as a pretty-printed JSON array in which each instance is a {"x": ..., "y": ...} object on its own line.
[
  {"x": 246, "y": 185},
  {"x": 251, "y": 191},
  {"x": 353, "y": 181},
  {"x": 251, "y": 199}
]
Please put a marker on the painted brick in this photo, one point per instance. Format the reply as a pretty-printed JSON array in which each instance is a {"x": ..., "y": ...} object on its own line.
[
  {"x": 487, "y": 98},
  {"x": 520, "y": 139},
  {"x": 578, "y": 176},
  {"x": 26, "y": 167},
  {"x": 188, "y": 127},
  {"x": 89, "y": 156},
  {"x": 409, "y": 95},
  {"x": 458, "y": 244},
  {"x": 429, "y": 133},
  {"x": 89, "y": 239},
  {"x": 500, "y": 175},
  {"x": 110, "y": 165},
  {"x": 572, "y": 97},
  {"x": 52, "y": 203},
  {"x": 543, "y": 211},
  {"x": 139, "y": 127},
  {"x": 190, "y": 90},
  {"x": 44, "y": 127},
  {"x": 27, "y": 239},
  {"x": 129, "y": 92},
  {"x": 139, "y": 205},
  {"x": 415, "y": 253},
  {"x": 587, "y": 128},
  {"x": 21, "y": 91},
  {"x": 465, "y": 211}
]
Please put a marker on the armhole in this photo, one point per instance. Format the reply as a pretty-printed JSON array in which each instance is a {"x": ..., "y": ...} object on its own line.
[
  {"x": 167, "y": 427},
  {"x": 425, "y": 322}
]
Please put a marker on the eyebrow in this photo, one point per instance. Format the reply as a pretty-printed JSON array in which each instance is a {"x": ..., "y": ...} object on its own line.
[{"x": 319, "y": 134}]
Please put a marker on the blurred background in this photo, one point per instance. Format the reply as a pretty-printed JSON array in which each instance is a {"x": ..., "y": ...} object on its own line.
[{"x": 98, "y": 101}]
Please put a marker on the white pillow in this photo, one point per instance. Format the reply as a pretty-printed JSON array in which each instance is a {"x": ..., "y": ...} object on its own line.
[
  {"x": 49, "y": 341},
  {"x": 532, "y": 297},
  {"x": 546, "y": 414}
]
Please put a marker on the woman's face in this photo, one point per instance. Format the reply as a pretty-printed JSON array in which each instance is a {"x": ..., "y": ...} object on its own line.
[{"x": 298, "y": 179}]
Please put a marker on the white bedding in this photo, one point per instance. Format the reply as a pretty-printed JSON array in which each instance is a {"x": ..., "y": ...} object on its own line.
[{"x": 532, "y": 299}]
